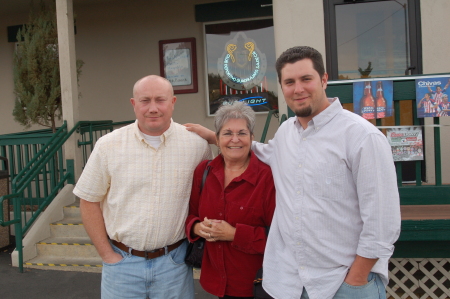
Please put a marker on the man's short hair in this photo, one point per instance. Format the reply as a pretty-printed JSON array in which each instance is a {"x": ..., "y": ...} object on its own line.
[{"x": 295, "y": 54}]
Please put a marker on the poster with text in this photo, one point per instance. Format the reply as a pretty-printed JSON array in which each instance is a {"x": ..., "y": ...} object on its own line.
[
  {"x": 373, "y": 99},
  {"x": 432, "y": 97},
  {"x": 406, "y": 143}
]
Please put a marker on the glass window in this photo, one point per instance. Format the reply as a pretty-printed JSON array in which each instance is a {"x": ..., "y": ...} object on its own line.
[
  {"x": 371, "y": 39},
  {"x": 241, "y": 64}
]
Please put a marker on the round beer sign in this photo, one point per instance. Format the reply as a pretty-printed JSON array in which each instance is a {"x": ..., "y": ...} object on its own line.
[{"x": 242, "y": 66}]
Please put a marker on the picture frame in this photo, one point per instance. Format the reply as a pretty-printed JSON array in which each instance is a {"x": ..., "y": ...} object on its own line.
[{"x": 178, "y": 64}]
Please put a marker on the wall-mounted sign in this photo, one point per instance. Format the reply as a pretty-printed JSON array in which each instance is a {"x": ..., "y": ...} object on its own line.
[
  {"x": 241, "y": 64},
  {"x": 258, "y": 101},
  {"x": 178, "y": 64},
  {"x": 432, "y": 97}
]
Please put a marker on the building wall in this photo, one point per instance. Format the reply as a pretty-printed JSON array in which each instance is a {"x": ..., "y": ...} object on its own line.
[
  {"x": 435, "y": 53},
  {"x": 7, "y": 123},
  {"x": 118, "y": 42}
]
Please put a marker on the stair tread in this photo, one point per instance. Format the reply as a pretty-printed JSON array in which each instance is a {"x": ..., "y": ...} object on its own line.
[
  {"x": 67, "y": 240},
  {"x": 65, "y": 261},
  {"x": 69, "y": 220},
  {"x": 75, "y": 204}
]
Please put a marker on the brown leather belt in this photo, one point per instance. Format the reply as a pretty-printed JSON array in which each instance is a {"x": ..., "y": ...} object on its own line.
[{"x": 148, "y": 254}]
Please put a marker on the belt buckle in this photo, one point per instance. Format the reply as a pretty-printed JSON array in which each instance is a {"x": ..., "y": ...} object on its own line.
[{"x": 151, "y": 251}]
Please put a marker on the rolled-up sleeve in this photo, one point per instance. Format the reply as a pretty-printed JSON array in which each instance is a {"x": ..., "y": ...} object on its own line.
[{"x": 376, "y": 183}]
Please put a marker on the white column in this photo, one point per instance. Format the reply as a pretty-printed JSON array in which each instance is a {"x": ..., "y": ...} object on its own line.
[
  {"x": 68, "y": 73},
  {"x": 297, "y": 23}
]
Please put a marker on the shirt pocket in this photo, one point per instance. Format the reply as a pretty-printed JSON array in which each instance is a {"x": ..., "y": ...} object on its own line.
[
  {"x": 238, "y": 213},
  {"x": 330, "y": 180}
]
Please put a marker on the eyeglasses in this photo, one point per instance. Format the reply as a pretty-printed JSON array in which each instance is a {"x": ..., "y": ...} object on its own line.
[{"x": 229, "y": 134}]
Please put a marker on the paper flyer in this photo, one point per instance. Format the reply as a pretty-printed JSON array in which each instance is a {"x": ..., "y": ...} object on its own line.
[{"x": 406, "y": 143}]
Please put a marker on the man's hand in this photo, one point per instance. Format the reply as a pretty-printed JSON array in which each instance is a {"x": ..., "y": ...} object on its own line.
[
  {"x": 203, "y": 132},
  {"x": 112, "y": 258},
  {"x": 95, "y": 227},
  {"x": 359, "y": 271}
]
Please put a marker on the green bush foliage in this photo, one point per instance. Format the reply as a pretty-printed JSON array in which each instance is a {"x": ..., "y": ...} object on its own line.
[{"x": 37, "y": 84}]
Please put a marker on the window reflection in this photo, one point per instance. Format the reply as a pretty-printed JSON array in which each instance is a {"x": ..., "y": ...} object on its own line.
[{"x": 372, "y": 39}]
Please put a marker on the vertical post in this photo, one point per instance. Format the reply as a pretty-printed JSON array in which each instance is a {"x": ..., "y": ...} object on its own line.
[
  {"x": 289, "y": 17},
  {"x": 68, "y": 74},
  {"x": 398, "y": 165},
  {"x": 437, "y": 152},
  {"x": 18, "y": 230}
]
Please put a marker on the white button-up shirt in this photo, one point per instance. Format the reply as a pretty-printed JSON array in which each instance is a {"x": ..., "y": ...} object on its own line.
[
  {"x": 336, "y": 198},
  {"x": 144, "y": 192}
]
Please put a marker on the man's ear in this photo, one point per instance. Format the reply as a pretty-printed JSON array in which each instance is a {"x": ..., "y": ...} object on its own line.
[
  {"x": 132, "y": 101},
  {"x": 324, "y": 81}
]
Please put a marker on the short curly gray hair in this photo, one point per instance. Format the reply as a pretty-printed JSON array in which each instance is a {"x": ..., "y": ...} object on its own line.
[{"x": 237, "y": 110}]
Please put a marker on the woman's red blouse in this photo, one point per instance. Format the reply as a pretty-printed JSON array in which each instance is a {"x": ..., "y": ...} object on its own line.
[{"x": 248, "y": 204}]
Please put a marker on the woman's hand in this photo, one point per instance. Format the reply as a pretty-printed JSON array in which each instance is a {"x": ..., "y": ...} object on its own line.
[
  {"x": 203, "y": 132},
  {"x": 215, "y": 230}
]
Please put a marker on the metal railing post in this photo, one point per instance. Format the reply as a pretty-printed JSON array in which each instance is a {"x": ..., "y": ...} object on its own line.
[{"x": 437, "y": 152}]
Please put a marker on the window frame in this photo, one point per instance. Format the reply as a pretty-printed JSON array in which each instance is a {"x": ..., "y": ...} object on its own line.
[{"x": 414, "y": 27}]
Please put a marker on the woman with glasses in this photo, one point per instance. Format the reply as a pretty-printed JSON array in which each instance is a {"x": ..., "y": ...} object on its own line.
[{"x": 234, "y": 207}]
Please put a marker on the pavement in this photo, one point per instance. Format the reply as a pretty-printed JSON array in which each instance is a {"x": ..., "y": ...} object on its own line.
[{"x": 49, "y": 284}]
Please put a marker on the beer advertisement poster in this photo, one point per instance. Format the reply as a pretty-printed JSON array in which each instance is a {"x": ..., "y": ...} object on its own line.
[
  {"x": 432, "y": 97},
  {"x": 373, "y": 99},
  {"x": 406, "y": 143}
]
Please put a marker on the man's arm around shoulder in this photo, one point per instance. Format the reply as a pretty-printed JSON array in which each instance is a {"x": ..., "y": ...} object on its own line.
[{"x": 94, "y": 224}]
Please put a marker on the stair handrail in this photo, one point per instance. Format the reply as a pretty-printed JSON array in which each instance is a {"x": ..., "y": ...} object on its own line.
[
  {"x": 37, "y": 161},
  {"x": 29, "y": 173}
]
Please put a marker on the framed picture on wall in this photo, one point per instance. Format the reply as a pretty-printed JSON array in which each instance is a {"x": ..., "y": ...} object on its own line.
[{"x": 178, "y": 64}]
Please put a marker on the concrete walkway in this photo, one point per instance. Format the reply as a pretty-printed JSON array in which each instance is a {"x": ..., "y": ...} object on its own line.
[{"x": 49, "y": 284}]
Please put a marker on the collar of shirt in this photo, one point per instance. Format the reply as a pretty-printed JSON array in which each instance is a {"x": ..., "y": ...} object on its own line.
[
  {"x": 320, "y": 120},
  {"x": 249, "y": 175},
  {"x": 164, "y": 136}
]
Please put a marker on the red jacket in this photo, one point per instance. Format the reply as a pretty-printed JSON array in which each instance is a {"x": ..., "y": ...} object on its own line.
[{"x": 247, "y": 203}]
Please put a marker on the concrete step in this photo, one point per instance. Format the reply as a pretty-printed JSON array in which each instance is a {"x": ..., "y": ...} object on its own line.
[
  {"x": 72, "y": 211},
  {"x": 65, "y": 264},
  {"x": 63, "y": 247},
  {"x": 68, "y": 227}
]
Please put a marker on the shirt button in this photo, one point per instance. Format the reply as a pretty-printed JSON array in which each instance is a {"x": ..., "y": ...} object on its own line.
[
  {"x": 220, "y": 246},
  {"x": 299, "y": 165},
  {"x": 242, "y": 208},
  {"x": 317, "y": 128},
  {"x": 301, "y": 268},
  {"x": 299, "y": 192},
  {"x": 304, "y": 139},
  {"x": 220, "y": 214}
]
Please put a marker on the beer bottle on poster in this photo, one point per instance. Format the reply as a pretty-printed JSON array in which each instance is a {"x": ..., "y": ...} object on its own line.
[
  {"x": 367, "y": 102},
  {"x": 381, "y": 101}
]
